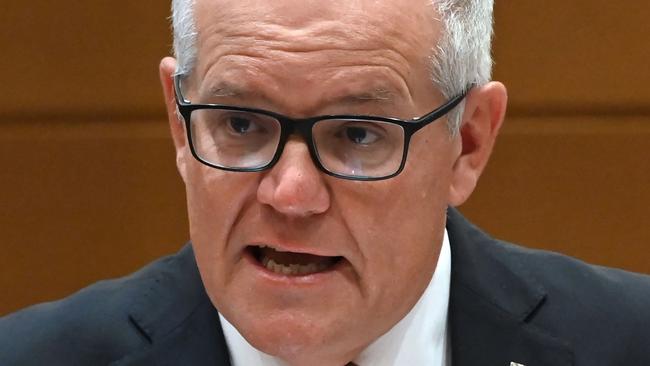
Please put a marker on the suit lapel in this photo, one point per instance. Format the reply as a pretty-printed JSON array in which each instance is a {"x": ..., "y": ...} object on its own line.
[
  {"x": 198, "y": 341},
  {"x": 178, "y": 320},
  {"x": 492, "y": 299}
]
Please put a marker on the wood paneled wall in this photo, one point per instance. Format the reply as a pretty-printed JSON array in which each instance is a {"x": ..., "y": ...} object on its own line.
[{"x": 88, "y": 187}]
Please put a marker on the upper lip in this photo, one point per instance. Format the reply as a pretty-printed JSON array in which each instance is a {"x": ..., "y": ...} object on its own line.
[{"x": 295, "y": 248}]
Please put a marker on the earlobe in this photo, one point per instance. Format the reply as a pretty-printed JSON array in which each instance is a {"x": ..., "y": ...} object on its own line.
[
  {"x": 483, "y": 116},
  {"x": 167, "y": 69}
]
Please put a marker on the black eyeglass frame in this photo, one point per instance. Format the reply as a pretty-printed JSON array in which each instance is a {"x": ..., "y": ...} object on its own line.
[{"x": 303, "y": 126}]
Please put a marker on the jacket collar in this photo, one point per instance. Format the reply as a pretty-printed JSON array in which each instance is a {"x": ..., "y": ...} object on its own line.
[
  {"x": 177, "y": 318},
  {"x": 492, "y": 299}
]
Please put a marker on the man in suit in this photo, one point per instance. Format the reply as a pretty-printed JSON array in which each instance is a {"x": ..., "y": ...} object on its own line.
[{"x": 321, "y": 144}]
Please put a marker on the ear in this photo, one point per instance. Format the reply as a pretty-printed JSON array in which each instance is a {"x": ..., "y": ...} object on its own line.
[
  {"x": 177, "y": 127},
  {"x": 485, "y": 109}
]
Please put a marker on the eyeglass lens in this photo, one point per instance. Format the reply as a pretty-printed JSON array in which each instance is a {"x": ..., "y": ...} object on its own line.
[{"x": 246, "y": 140}]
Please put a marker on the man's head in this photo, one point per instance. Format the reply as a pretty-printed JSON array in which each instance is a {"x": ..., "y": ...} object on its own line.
[{"x": 373, "y": 244}]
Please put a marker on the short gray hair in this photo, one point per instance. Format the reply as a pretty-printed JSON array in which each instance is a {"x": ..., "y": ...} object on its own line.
[
  {"x": 461, "y": 58},
  {"x": 185, "y": 35}
]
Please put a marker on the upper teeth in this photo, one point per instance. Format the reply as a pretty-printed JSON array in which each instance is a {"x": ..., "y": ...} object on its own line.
[
  {"x": 293, "y": 269},
  {"x": 268, "y": 246}
]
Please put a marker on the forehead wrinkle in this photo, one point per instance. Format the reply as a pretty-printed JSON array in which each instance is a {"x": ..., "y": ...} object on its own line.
[
  {"x": 272, "y": 47},
  {"x": 357, "y": 25},
  {"x": 374, "y": 92},
  {"x": 236, "y": 68},
  {"x": 346, "y": 88},
  {"x": 263, "y": 39},
  {"x": 377, "y": 95},
  {"x": 269, "y": 41},
  {"x": 378, "y": 63}
]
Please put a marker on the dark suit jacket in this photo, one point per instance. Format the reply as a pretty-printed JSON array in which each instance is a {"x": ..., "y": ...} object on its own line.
[{"x": 507, "y": 304}]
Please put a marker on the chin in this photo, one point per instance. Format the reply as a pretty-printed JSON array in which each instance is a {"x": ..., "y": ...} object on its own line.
[{"x": 289, "y": 338}]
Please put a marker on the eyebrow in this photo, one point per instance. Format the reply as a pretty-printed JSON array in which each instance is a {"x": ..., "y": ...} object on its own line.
[
  {"x": 224, "y": 89},
  {"x": 374, "y": 95}
]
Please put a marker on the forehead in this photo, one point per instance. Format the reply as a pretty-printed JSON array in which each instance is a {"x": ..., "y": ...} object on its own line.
[
  {"x": 408, "y": 27},
  {"x": 257, "y": 41},
  {"x": 362, "y": 18}
]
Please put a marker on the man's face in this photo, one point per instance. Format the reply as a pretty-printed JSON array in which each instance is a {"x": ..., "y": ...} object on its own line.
[{"x": 377, "y": 242}]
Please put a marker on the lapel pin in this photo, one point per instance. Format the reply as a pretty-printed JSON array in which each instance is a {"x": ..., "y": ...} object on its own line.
[{"x": 516, "y": 364}]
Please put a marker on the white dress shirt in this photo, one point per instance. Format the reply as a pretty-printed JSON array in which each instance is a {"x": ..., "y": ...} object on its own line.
[{"x": 420, "y": 338}]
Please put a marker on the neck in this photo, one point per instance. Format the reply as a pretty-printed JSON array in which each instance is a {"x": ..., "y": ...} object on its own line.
[{"x": 322, "y": 357}]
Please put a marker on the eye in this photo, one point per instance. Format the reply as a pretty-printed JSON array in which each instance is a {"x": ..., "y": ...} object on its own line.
[
  {"x": 360, "y": 135},
  {"x": 241, "y": 124}
]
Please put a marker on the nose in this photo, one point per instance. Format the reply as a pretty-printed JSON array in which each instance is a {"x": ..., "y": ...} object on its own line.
[{"x": 294, "y": 186}]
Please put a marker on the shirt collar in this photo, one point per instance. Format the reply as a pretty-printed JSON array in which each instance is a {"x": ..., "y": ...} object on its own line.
[{"x": 420, "y": 338}]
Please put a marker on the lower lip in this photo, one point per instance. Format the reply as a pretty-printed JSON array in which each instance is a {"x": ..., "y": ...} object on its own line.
[{"x": 295, "y": 280}]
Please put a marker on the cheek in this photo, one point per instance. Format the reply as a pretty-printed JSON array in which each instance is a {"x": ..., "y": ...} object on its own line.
[
  {"x": 399, "y": 258},
  {"x": 405, "y": 215},
  {"x": 398, "y": 228},
  {"x": 215, "y": 199},
  {"x": 204, "y": 200}
]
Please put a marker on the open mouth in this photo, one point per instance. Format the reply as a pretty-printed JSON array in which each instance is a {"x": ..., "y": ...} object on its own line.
[{"x": 291, "y": 263}]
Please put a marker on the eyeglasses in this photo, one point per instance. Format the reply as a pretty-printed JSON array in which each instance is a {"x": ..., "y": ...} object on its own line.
[{"x": 355, "y": 147}]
